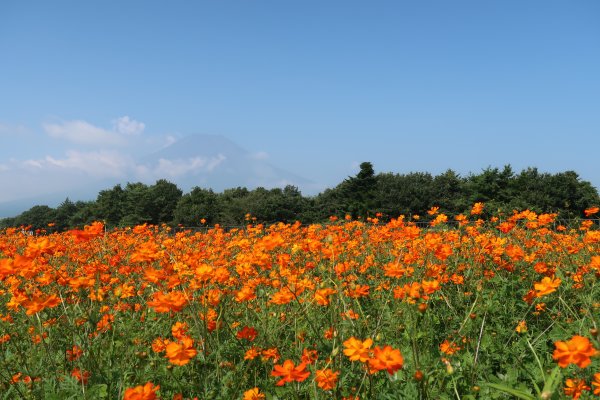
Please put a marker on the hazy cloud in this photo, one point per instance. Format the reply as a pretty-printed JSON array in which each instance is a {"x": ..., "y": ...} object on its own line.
[
  {"x": 174, "y": 168},
  {"x": 128, "y": 126},
  {"x": 35, "y": 164},
  {"x": 107, "y": 164},
  {"x": 82, "y": 132},
  {"x": 261, "y": 155},
  {"x": 100, "y": 164},
  {"x": 169, "y": 140}
]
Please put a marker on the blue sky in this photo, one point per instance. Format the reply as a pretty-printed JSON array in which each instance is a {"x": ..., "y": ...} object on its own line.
[{"x": 314, "y": 87}]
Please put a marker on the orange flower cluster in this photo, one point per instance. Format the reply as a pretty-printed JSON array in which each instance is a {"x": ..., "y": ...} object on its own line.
[
  {"x": 248, "y": 298},
  {"x": 378, "y": 359}
]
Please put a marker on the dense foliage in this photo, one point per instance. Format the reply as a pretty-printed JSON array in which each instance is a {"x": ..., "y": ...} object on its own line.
[
  {"x": 365, "y": 194},
  {"x": 351, "y": 309}
]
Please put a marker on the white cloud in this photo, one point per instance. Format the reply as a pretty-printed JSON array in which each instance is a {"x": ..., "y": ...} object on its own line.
[
  {"x": 110, "y": 164},
  {"x": 169, "y": 140},
  {"x": 82, "y": 132},
  {"x": 128, "y": 126},
  {"x": 175, "y": 168},
  {"x": 100, "y": 164},
  {"x": 33, "y": 163}
]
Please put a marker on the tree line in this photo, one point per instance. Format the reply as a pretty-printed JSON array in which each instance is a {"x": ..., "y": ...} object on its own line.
[{"x": 366, "y": 194}]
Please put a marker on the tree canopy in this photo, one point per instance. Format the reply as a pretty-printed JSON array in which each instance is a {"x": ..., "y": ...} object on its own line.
[{"x": 363, "y": 195}]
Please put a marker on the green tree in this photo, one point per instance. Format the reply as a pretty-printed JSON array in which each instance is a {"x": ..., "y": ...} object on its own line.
[
  {"x": 448, "y": 192},
  {"x": 570, "y": 195},
  {"x": 233, "y": 206},
  {"x": 358, "y": 192},
  {"x": 64, "y": 212},
  {"x": 38, "y": 217},
  {"x": 407, "y": 194},
  {"x": 356, "y": 195},
  {"x": 110, "y": 206},
  {"x": 164, "y": 197},
  {"x": 138, "y": 205},
  {"x": 196, "y": 205},
  {"x": 86, "y": 214},
  {"x": 492, "y": 185},
  {"x": 275, "y": 205}
]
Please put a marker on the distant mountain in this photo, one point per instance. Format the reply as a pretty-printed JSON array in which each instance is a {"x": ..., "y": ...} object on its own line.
[
  {"x": 208, "y": 161},
  {"x": 213, "y": 161}
]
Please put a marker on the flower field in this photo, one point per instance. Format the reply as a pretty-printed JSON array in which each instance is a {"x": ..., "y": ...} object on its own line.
[{"x": 460, "y": 309}]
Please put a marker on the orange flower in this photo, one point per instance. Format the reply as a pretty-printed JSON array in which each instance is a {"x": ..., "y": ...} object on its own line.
[
  {"x": 440, "y": 219},
  {"x": 326, "y": 379},
  {"x": 270, "y": 354},
  {"x": 577, "y": 350},
  {"x": 40, "y": 302},
  {"x": 330, "y": 333},
  {"x": 596, "y": 383},
  {"x": 246, "y": 293},
  {"x": 322, "y": 296},
  {"x": 88, "y": 232},
  {"x": 521, "y": 327},
  {"x": 74, "y": 353},
  {"x": 7, "y": 267},
  {"x": 358, "y": 291},
  {"x": 357, "y": 350},
  {"x": 180, "y": 353},
  {"x": 5, "y": 338},
  {"x": 82, "y": 377},
  {"x": 289, "y": 372},
  {"x": 443, "y": 251},
  {"x": 159, "y": 345},
  {"x": 179, "y": 330},
  {"x": 477, "y": 209},
  {"x": 448, "y": 347},
  {"x": 146, "y": 252},
  {"x": 433, "y": 211},
  {"x": 162, "y": 303},
  {"x": 506, "y": 227},
  {"x": 105, "y": 323},
  {"x": 546, "y": 286},
  {"x": 591, "y": 211},
  {"x": 252, "y": 353},
  {"x": 146, "y": 392},
  {"x": 595, "y": 263},
  {"x": 430, "y": 287},
  {"x": 574, "y": 387},
  {"x": 248, "y": 333},
  {"x": 350, "y": 314},
  {"x": 253, "y": 394},
  {"x": 516, "y": 253},
  {"x": 309, "y": 356},
  {"x": 386, "y": 358}
]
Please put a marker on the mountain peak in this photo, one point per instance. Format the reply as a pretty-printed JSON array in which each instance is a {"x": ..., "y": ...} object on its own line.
[{"x": 216, "y": 162}]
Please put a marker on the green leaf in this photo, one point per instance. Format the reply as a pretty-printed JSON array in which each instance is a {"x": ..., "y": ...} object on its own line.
[
  {"x": 515, "y": 392},
  {"x": 553, "y": 381},
  {"x": 99, "y": 391}
]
